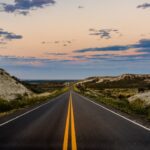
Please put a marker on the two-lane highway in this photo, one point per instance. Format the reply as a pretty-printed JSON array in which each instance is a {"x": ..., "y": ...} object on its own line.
[{"x": 72, "y": 122}]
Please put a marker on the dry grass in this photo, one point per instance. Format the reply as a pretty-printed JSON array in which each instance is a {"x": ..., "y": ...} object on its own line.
[
  {"x": 13, "y": 105},
  {"x": 118, "y": 98}
]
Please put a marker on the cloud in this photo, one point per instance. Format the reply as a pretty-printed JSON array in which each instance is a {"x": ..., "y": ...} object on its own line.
[
  {"x": 142, "y": 45},
  {"x": 57, "y": 42},
  {"x": 109, "y": 48},
  {"x": 63, "y": 43},
  {"x": 23, "y": 61},
  {"x": 8, "y": 36},
  {"x": 144, "y": 6},
  {"x": 80, "y": 57},
  {"x": 31, "y": 67},
  {"x": 114, "y": 57},
  {"x": 31, "y": 61},
  {"x": 69, "y": 42},
  {"x": 24, "y": 6},
  {"x": 2, "y": 43},
  {"x": 80, "y": 7},
  {"x": 56, "y": 54},
  {"x": 104, "y": 33}
]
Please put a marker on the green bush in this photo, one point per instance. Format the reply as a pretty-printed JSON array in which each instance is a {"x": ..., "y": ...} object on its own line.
[
  {"x": 138, "y": 107},
  {"x": 5, "y": 106}
]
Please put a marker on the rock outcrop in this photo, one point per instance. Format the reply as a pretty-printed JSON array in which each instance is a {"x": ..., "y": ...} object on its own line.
[{"x": 11, "y": 88}]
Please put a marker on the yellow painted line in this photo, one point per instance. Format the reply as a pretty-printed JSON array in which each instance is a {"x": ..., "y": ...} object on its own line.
[
  {"x": 65, "y": 143},
  {"x": 70, "y": 115},
  {"x": 73, "y": 133}
]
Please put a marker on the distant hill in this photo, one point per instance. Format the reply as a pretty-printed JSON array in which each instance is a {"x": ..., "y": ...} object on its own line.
[
  {"x": 11, "y": 88},
  {"x": 122, "y": 81}
]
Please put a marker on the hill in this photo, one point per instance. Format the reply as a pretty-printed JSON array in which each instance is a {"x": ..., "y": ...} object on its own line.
[
  {"x": 122, "y": 81},
  {"x": 11, "y": 88}
]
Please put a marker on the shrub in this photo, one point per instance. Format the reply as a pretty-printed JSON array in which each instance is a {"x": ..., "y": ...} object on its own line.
[
  {"x": 138, "y": 106},
  {"x": 5, "y": 106}
]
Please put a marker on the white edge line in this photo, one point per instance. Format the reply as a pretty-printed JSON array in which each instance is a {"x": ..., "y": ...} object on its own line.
[
  {"x": 2, "y": 124},
  {"x": 146, "y": 128}
]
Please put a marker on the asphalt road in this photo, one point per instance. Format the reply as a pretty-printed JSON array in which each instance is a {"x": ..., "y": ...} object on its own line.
[{"x": 72, "y": 122}]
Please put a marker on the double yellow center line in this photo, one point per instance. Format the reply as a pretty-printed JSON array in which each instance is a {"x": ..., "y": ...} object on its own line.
[{"x": 70, "y": 117}]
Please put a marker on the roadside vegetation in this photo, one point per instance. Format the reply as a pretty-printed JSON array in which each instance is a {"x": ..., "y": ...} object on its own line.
[
  {"x": 117, "y": 98},
  {"x": 41, "y": 86},
  {"x": 7, "y": 107}
]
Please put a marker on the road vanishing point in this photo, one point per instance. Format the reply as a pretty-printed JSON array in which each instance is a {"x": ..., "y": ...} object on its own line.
[{"x": 72, "y": 122}]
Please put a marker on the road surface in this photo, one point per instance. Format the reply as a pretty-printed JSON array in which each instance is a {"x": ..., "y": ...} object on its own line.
[{"x": 71, "y": 122}]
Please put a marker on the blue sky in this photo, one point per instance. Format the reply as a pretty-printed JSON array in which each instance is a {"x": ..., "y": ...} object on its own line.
[{"x": 61, "y": 39}]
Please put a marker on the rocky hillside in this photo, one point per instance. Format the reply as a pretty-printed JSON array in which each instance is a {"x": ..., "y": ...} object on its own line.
[
  {"x": 122, "y": 81},
  {"x": 11, "y": 88},
  {"x": 144, "y": 97}
]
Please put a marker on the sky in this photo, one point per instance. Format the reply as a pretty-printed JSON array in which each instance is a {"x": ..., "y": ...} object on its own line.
[{"x": 74, "y": 39}]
